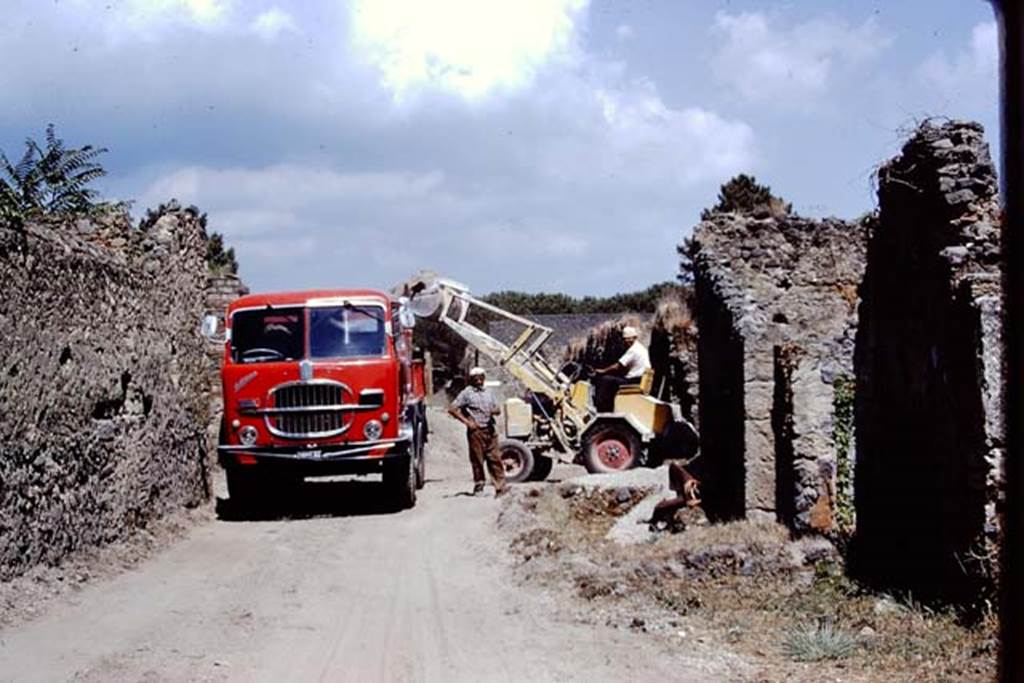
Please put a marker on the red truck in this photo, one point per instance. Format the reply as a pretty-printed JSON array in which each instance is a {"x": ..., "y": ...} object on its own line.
[{"x": 320, "y": 383}]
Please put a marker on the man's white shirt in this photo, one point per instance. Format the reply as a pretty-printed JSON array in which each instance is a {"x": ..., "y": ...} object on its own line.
[{"x": 636, "y": 360}]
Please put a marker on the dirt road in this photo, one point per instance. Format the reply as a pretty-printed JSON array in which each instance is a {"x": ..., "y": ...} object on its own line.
[{"x": 335, "y": 590}]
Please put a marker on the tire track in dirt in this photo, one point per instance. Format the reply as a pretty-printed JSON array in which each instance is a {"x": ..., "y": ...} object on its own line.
[{"x": 344, "y": 593}]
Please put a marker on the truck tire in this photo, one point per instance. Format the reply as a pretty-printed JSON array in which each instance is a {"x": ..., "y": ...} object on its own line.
[
  {"x": 517, "y": 459},
  {"x": 613, "y": 447},
  {"x": 400, "y": 481},
  {"x": 542, "y": 465},
  {"x": 245, "y": 489},
  {"x": 421, "y": 460}
]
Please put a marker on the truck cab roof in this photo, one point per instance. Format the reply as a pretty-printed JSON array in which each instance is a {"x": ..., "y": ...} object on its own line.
[{"x": 304, "y": 297}]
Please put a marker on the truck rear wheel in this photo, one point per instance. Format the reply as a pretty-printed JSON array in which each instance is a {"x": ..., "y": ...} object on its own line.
[
  {"x": 400, "y": 481},
  {"x": 517, "y": 459},
  {"x": 421, "y": 460},
  {"x": 610, "y": 448}
]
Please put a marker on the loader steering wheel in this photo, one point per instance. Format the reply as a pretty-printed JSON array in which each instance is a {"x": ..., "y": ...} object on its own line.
[{"x": 576, "y": 371}]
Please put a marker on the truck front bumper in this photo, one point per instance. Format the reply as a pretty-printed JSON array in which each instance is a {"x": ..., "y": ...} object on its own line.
[{"x": 361, "y": 457}]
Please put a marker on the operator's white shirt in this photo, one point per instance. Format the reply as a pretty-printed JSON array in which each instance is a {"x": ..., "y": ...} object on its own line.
[{"x": 636, "y": 360}]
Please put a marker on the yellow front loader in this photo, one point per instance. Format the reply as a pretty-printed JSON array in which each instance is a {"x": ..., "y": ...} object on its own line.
[{"x": 556, "y": 418}]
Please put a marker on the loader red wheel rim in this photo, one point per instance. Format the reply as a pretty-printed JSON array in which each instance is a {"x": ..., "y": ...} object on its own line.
[{"x": 613, "y": 453}]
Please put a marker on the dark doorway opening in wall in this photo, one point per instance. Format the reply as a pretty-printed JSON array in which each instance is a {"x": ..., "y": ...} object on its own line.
[
  {"x": 720, "y": 357},
  {"x": 782, "y": 430}
]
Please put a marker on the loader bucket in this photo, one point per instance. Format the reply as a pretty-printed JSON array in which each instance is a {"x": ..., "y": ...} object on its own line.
[{"x": 428, "y": 294}]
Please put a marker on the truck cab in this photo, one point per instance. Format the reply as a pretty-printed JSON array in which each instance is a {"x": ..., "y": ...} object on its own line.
[{"x": 320, "y": 383}]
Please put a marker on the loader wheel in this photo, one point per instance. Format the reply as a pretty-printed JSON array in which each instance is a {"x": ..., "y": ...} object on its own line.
[
  {"x": 542, "y": 465},
  {"x": 611, "y": 448},
  {"x": 517, "y": 460}
]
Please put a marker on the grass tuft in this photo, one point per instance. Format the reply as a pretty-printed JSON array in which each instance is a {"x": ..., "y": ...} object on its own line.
[{"x": 821, "y": 641}]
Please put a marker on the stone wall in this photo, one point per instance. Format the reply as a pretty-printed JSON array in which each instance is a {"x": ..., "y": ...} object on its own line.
[
  {"x": 103, "y": 381},
  {"x": 221, "y": 290},
  {"x": 775, "y": 303},
  {"x": 929, "y": 412}
]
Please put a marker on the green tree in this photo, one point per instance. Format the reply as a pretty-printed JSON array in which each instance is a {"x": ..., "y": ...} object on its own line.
[
  {"x": 49, "y": 179},
  {"x": 522, "y": 303},
  {"x": 743, "y": 194},
  {"x": 219, "y": 259},
  {"x": 687, "y": 251}
]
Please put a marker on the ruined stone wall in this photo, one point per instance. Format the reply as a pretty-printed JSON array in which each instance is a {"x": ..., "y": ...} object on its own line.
[
  {"x": 221, "y": 290},
  {"x": 776, "y": 302},
  {"x": 929, "y": 417},
  {"x": 103, "y": 381}
]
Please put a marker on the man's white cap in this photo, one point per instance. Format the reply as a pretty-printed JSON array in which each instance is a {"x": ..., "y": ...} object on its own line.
[
  {"x": 629, "y": 332},
  {"x": 477, "y": 371}
]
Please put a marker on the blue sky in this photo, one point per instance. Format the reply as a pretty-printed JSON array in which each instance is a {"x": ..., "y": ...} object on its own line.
[{"x": 541, "y": 145}]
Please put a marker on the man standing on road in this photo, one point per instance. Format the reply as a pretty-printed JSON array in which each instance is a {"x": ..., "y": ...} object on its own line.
[
  {"x": 476, "y": 407},
  {"x": 629, "y": 369}
]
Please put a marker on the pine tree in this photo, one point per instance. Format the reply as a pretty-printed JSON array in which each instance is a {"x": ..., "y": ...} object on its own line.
[
  {"x": 743, "y": 194},
  {"x": 217, "y": 258}
]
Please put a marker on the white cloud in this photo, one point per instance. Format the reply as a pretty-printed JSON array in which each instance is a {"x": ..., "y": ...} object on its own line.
[
  {"x": 768, "y": 63},
  {"x": 974, "y": 66},
  {"x": 272, "y": 23},
  {"x": 624, "y": 32},
  {"x": 304, "y": 161},
  {"x": 529, "y": 241},
  {"x": 284, "y": 187},
  {"x": 471, "y": 48},
  {"x": 148, "y": 14},
  {"x": 688, "y": 145}
]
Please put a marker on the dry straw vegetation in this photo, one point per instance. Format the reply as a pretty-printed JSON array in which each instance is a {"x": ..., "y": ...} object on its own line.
[{"x": 785, "y": 605}]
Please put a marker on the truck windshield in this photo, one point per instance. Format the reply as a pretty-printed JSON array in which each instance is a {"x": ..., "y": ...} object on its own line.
[
  {"x": 346, "y": 331},
  {"x": 266, "y": 335}
]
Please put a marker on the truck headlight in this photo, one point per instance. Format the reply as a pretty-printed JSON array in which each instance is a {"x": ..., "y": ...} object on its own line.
[
  {"x": 248, "y": 435},
  {"x": 372, "y": 430}
]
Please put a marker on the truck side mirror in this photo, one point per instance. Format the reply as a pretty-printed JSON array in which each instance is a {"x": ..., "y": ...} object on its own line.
[
  {"x": 406, "y": 317},
  {"x": 212, "y": 330}
]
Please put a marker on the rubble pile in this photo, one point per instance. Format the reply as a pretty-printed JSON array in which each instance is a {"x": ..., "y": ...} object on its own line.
[
  {"x": 602, "y": 345},
  {"x": 929, "y": 418},
  {"x": 674, "y": 356},
  {"x": 104, "y": 386}
]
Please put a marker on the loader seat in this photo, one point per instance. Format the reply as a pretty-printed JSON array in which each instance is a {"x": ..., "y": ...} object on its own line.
[{"x": 644, "y": 387}]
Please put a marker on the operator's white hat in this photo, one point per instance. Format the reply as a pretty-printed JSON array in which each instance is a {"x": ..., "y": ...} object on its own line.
[
  {"x": 477, "y": 371},
  {"x": 629, "y": 332}
]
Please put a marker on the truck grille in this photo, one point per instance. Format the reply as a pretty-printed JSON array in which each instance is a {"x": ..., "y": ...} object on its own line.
[{"x": 310, "y": 409}]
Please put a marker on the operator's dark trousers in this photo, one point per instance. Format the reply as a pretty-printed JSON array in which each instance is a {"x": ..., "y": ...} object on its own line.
[
  {"x": 483, "y": 446},
  {"x": 605, "y": 387}
]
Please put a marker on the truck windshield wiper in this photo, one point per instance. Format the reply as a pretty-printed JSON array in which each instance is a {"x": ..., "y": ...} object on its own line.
[{"x": 368, "y": 310}]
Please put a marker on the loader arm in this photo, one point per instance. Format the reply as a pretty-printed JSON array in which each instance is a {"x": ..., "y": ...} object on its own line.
[{"x": 521, "y": 359}]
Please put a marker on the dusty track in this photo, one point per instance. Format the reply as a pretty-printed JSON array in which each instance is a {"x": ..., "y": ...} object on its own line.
[{"x": 336, "y": 589}]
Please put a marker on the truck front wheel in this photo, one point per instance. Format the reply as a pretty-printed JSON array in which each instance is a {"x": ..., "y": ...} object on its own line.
[
  {"x": 400, "y": 481},
  {"x": 245, "y": 489}
]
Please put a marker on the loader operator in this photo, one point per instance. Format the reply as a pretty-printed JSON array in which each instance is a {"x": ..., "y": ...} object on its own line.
[
  {"x": 629, "y": 369},
  {"x": 476, "y": 407}
]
